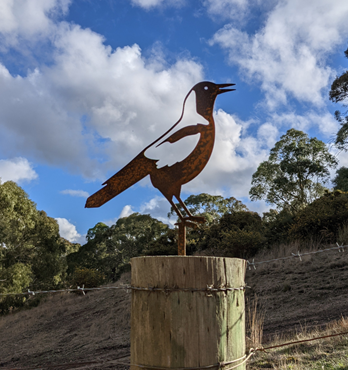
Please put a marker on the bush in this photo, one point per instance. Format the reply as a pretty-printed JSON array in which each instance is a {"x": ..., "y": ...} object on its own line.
[
  {"x": 323, "y": 218},
  {"x": 277, "y": 225},
  {"x": 89, "y": 278},
  {"x": 238, "y": 234}
]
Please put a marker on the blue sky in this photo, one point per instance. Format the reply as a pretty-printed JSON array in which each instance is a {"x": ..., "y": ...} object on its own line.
[{"x": 85, "y": 85}]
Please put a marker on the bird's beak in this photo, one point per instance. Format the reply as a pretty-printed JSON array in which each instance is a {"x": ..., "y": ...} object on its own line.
[{"x": 220, "y": 86}]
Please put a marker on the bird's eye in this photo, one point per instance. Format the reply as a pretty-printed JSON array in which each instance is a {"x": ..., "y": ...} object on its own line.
[{"x": 205, "y": 87}]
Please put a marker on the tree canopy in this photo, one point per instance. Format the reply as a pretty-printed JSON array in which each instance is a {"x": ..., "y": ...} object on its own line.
[
  {"x": 109, "y": 249},
  {"x": 31, "y": 248},
  {"x": 294, "y": 174},
  {"x": 212, "y": 207},
  {"x": 341, "y": 180},
  {"x": 339, "y": 93}
]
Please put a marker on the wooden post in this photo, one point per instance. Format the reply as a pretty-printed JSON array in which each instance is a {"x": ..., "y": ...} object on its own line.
[{"x": 174, "y": 328}]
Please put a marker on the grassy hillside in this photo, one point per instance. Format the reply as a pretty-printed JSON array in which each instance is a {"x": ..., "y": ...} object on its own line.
[{"x": 296, "y": 298}]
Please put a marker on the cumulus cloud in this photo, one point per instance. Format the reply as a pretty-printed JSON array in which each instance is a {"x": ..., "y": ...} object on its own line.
[
  {"x": 28, "y": 19},
  {"x": 158, "y": 207},
  {"x": 235, "y": 157},
  {"x": 17, "y": 170},
  {"x": 75, "y": 193},
  {"x": 68, "y": 231},
  {"x": 148, "y": 4},
  {"x": 126, "y": 211},
  {"x": 287, "y": 55},
  {"x": 93, "y": 108},
  {"x": 227, "y": 8},
  {"x": 324, "y": 123}
]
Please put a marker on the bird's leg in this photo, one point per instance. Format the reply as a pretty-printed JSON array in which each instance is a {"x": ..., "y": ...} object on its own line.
[
  {"x": 190, "y": 217},
  {"x": 176, "y": 209},
  {"x": 182, "y": 229}
]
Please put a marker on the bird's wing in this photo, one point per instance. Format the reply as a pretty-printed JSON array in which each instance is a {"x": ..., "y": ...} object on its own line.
[
  {"x": 185, "y": 131},
  {"x": 175, "y": 148},
  {"x": 133, "y": 172}
]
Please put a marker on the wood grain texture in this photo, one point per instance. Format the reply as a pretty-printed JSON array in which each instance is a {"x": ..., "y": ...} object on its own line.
[{"x": 187, "y": 329}]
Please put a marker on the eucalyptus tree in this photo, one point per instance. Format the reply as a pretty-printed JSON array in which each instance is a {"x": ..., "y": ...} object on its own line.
[
  {"x": 295, "y": 172},
  {"x": 339, "y": 94}
]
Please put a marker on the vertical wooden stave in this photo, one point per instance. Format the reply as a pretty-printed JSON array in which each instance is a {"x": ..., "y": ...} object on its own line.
[{"x": 173, "y": 334}]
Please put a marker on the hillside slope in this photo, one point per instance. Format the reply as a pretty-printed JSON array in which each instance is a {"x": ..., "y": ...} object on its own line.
[
  {"x": 69, "y": 328},
  {"x": 95, "y": 329}
]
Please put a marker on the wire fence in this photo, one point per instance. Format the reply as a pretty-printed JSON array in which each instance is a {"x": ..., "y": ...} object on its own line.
[
  {"x": 208, "y": 290},
  {"x": 298, "y": 255},
  {"x": 219, "y": 365},
  {"x": 253, "y": 263}
]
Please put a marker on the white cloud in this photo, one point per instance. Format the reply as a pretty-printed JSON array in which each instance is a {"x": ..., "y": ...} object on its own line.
[
  {"x": 259, "y": 206},
  {"x": 75, "y": 193},
  {"x": 57, "y": 114},
  {"x": 227, "y": 8},
  {"x": 158, "y": 207},
  {"x": 68, "y": 231},
  {"x": 17, "y": 170},
  {"x": 126, "y": 211},
  {"x": 28, "y": 19},
  {"x": 235, "y": 157},
  {"x": 148, "y": 4},
  {"x": 324, "y": 123},
  {"x": 36, "y": 125},
  {"x": 287, "y": 56}
]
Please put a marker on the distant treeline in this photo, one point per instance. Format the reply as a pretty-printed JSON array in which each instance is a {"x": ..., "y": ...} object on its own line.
[{"x": 33, "y": 255}]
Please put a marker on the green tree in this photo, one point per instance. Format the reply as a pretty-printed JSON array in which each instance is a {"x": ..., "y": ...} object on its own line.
[
  {"x": 339, "y": 93},
  {"x": 322, "y": 219},
  {"x": 109, "y": 249},
  {"x": 237, "y": 234},
  {"x": 294, "y": 174},
  {"x": 341, "y": 180},
  {"x": 212, "y": 207},
  {"x": 31, "y": 250}
]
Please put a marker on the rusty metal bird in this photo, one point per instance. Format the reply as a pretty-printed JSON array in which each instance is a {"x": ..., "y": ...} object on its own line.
[{"x": 169, "y": 179}]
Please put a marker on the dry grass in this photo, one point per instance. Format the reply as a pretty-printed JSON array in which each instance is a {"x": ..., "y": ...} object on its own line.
[
  {"x": 286, "y": 249},
  {"x": 254, "y": 323},
  {"x": 342, "y": 237},
  {"x": 291, "y": 291},
  {"x": 329, "y": 353}
]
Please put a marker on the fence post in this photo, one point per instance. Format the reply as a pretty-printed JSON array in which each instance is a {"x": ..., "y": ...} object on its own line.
[{"x": 185, "y": 329}]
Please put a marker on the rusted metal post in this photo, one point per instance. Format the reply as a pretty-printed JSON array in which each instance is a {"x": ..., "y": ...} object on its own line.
[{"x": 182, "y": 239}]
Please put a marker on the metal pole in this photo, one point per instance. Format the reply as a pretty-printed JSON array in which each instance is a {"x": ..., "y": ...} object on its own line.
[{"x": 182, "y": 239}]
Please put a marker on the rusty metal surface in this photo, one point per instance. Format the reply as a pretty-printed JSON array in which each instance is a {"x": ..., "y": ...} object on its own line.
[
  {"x": 182, "y": 239},
  {"x": 169, "y": 179}
]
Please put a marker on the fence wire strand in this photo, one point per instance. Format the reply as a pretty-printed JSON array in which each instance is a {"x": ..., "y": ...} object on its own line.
[
  {"x": 299, "y": 255},
  {"x": 209, "y": 289},
  {"x": 220, "y": 365}
]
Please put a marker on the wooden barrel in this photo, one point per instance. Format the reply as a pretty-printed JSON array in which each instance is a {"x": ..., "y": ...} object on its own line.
[{"x": 187, "y": 312}]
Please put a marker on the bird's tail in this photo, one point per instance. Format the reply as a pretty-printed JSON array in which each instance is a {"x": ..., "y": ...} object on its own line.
[{"x": 137, "y": 169}]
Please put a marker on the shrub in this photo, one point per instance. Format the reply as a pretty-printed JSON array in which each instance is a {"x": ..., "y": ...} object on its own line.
[
  {"x": 238, "y": 234},
  {"x": 323, "y": 218},
  {"x": 90, "y": 278}
]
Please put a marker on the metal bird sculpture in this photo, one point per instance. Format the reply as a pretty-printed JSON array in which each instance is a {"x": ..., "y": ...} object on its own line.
[{"x": 169, "y": 179}]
